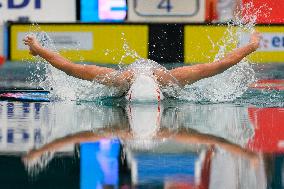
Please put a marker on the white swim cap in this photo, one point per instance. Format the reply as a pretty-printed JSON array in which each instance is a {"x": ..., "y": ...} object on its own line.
[{"x": 145, "y": 89}]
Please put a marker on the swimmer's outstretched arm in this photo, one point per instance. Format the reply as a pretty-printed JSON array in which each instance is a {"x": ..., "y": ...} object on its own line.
[
  {"x": 190, "y": 74},
  {"x": 86, "y": 72}
]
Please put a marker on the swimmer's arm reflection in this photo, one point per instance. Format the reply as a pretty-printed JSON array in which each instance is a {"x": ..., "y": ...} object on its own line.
[
  {"x": 86, "y": 136},
  {"x": 100, "y": 74},
  {"x": 187, "y": 136},
  {"x": 61, "y": 142},
  {"x": 182, "y": 136}
]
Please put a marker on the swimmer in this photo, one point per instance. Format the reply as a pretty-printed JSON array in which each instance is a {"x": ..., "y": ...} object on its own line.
[{"x": 183, "y": 75}]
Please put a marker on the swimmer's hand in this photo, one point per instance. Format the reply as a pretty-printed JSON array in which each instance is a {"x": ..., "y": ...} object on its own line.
[
  {"x": 31, "y": 156},
  {"x": 33, "y": 44},
  {"x": 255, "y": 40}
]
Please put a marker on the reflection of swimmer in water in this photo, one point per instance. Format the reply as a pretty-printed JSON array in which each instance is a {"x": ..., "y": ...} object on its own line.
[
  {"x": 214, "y": 146},
  {"x": 144, "y": 124},
  {"x": 181, "y": 135},
  {"x": 184, "y": 75}
]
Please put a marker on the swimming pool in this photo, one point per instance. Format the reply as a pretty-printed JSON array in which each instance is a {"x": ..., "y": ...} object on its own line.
[{"x": 228, "y": 144}]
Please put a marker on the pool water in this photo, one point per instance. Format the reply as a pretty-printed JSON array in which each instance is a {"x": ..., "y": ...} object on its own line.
[{"x": 75, "y": 144}]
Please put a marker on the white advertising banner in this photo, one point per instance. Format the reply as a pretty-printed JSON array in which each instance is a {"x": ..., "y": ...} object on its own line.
[
  {"x": 270, "y": 42},
  {"x": 166, "y": 10},
  {"x": 64, "y": 40},
  {"x": 38, "y": 10}
]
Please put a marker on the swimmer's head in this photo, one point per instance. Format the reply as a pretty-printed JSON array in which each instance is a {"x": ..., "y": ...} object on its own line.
[{"x": 145, "y": 89}]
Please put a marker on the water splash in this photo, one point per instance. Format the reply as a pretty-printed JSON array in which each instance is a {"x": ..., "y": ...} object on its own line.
[
  {"x": 223, "y": 87},
  {"x": 35, "y": 166},
  {"x": 128, "y": 52},
  {"x": 232, "y": 83},
  {"x": 60, "y": 85}
]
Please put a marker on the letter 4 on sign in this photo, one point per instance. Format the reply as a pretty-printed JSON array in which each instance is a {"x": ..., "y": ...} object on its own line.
[
  {"x": 165, "y": 4},
  {"x": 24, "y": 3}
]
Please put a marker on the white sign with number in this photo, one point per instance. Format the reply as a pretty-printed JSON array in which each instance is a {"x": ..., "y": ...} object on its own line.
[{"x": 166, "y": 10}]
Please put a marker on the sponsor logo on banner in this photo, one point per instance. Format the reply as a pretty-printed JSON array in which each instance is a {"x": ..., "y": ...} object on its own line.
[
  {"x": 269, "y": 42},
  {"x": 12, "y": 4},
  {"x": 38, "y": 10},
  {"x": 64, "y": 40},
  {"x": 112, "y": 9},
  {"x": 166, "y": 10},
  {"x": 102, "y": 10}
]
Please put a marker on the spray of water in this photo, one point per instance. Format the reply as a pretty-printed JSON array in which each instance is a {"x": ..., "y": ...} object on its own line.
[
  {"x": 232, "y": 83},
  {"x": 34, "y": 167},
  {"x": 62, "y": 86}
]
